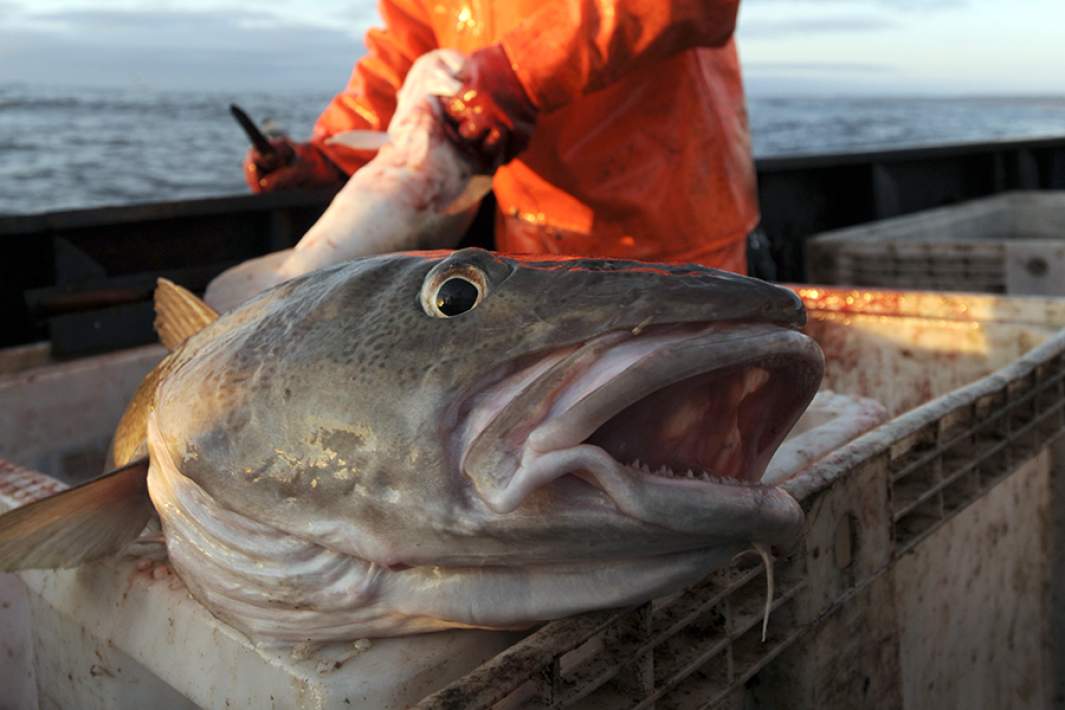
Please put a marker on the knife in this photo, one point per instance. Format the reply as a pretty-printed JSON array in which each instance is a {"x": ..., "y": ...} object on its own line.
[{"x": 260, "y": 141}]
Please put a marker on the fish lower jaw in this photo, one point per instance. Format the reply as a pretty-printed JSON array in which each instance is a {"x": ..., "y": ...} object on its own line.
[
  {"x": 280, "y": 590},
  {"x": 705, "y": 506}
]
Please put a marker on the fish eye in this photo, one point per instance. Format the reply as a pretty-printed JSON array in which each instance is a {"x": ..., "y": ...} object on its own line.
[
  {"x": 453, "y": 292},
  {"x": 456, "y": 295}
]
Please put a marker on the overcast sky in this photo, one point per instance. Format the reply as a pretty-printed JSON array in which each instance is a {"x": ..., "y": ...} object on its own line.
[{"x": 789, "y": 47}]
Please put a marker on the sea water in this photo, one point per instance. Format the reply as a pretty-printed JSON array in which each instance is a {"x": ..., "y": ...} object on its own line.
[{"x": 77, "y": 148}]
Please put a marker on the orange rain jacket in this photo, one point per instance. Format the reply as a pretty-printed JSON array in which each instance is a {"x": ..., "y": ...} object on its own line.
[{"x": 641, "y": 149}]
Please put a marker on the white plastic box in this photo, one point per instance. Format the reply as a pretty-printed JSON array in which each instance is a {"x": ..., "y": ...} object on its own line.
[{"x": 1013, "y": 243}]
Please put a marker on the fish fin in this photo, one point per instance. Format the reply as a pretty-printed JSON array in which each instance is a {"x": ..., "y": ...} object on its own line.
[
  {"x": 81, "y": 524},
  {"x": 477, "y": 187},
  {"x": 179, "y": 314},
  {"x": 359, "y": 140},
  {"x": 130, "y": 440}
]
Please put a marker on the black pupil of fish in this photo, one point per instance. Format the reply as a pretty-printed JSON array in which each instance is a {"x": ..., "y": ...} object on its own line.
[{"x": 456, "y": 296}]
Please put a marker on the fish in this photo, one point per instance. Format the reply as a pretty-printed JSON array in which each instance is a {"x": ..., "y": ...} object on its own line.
[
  {"x": 413, "y": 442},
  {"x": 418, "y": 192}
]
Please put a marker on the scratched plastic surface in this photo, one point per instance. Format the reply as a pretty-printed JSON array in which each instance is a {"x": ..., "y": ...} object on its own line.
[{"x": 905, "y": 348}]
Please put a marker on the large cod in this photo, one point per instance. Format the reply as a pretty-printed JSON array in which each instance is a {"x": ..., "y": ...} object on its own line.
[{"x": 420, "y": 441}]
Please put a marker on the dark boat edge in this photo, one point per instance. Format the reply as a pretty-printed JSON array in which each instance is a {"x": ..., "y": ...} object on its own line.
[{"x": 83, "y": 278}]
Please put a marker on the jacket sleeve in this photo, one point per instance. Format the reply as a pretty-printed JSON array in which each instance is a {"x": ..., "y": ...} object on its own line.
[
  {"x": 568, "y": 49},
  {"x": 368, "y": 101}
]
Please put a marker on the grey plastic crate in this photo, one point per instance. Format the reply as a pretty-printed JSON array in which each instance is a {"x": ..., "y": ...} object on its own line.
[{"x": 1012, "y": 243}]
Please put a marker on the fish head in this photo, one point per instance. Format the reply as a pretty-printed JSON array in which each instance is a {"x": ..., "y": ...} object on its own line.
[
  {"x": 655, "y": 394},
  {"x": 586, "y": 422}
]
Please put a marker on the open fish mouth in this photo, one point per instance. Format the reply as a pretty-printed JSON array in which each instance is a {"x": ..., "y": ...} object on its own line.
[{"x": 676, "y": 425}]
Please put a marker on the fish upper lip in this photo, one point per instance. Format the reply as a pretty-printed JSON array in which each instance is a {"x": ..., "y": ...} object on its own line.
[{"x": 559, "y": 445}]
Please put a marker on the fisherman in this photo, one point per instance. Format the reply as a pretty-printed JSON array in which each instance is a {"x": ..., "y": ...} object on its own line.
[{"x": 613, "y": 129}]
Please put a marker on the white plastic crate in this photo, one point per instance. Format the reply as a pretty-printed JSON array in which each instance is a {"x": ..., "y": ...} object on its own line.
[{"x": 1013, "y": 243}]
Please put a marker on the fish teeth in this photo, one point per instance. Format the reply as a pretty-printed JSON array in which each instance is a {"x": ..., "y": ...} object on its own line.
[{"x": 692, "y": 474}]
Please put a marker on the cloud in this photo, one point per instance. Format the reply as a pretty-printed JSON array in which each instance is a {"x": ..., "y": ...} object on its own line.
[
  {"x": 176, "y": 49},
  {"x": 771, "y": 27},
  {"x": 804, "y": 78},
  {"x": 774, "y": 19},
  {"x": 907, "y": 5},
  {"x": 774, "y": 79},
  {"x": 817, "y": 67}
]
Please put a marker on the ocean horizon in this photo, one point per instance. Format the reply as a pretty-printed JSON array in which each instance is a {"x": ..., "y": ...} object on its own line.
[{"x": 71, "y": 148}]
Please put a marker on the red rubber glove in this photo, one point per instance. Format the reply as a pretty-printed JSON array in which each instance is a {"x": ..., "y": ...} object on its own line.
[
  {"x": 490, "y": 118},
  {"x": 293, "y": 165}
]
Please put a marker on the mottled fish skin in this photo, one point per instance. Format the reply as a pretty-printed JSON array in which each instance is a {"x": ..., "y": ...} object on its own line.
[{"x": 334, "y": 410}]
